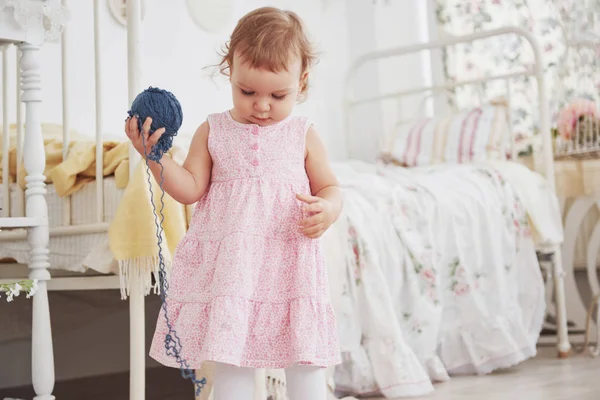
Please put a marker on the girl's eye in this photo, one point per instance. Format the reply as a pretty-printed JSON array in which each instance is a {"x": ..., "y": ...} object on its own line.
[
  {"x": 281, "y": 97},
  {"x": 246, "y": 93}
]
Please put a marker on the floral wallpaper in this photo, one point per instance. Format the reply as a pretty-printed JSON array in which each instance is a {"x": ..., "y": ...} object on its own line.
[{"x": 569, "y": 74}]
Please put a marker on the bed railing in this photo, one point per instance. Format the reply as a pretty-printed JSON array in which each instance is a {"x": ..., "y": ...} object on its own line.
[
  {"x": 19, "y": 208},
  {"x": 351, "y": 101},
  {"x": 11, "y": 55}
]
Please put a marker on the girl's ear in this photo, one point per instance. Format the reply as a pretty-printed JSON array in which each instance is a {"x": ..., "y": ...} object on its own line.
[
  {"x": 302, "y": 87},
  {"x": 303, "y": 82}
]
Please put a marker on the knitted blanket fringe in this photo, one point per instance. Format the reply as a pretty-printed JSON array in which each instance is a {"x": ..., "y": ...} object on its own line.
[
  {"x": 141, "y": 271},
  {"x": 275, "y": 381}
]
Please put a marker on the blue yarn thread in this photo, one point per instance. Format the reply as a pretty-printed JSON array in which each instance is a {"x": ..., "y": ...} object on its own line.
[{"x": 165, "y": 110}]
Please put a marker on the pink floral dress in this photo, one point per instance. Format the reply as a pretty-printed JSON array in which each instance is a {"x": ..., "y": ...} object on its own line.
[{"x": 246, "y": 287}]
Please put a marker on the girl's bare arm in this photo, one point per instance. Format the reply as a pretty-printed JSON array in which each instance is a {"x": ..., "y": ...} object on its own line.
[{"x": 185, "y": 183}]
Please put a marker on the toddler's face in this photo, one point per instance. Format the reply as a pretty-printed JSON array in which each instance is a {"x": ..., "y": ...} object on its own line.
[{"x": 263, "y": 97}]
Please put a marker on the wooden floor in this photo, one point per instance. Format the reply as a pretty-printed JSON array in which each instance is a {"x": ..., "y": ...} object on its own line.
[
  {"x": 543, "y": 378},
  {"x": 161, "y": 384}
]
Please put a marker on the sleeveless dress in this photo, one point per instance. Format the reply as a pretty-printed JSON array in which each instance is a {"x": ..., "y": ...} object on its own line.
[{"x": 246, "y": 288}]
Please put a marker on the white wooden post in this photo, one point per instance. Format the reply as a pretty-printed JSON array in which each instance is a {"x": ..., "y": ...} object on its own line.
[
  {"x": 42, "y": 357},
  {"x": 137, "y": 318},
  {"x": 6, "y": 131}
]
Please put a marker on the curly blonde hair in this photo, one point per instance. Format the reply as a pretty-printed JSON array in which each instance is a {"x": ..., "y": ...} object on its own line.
[{"x": 267, "y": 38}]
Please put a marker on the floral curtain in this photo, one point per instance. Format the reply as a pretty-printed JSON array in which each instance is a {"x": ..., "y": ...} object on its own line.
[{"x": 569, "y": 74}]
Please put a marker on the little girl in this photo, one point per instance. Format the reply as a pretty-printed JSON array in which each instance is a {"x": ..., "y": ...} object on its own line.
[{"x": 248, "y": 288}]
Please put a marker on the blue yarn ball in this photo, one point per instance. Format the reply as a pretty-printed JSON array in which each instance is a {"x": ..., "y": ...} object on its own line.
[{"x": 165, "y": 110}]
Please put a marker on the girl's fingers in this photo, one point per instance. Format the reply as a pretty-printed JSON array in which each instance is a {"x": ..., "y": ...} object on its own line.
[
  {"x": 313, "y": 208},
  {"x": 311, "y": 221},
  {"x": 146, "y": 129},
  {"x": 312, "y": 230},
  {"x": 316, "y": 234},
  {"x": 133, "y": 133},
  {"x": 153, "y": 139},
  {"x": 155, "y": 136},
  {"x": 307, "y": 199},
  {"x": 133, "y": 127},
  {"x": 147, "y": 125}
]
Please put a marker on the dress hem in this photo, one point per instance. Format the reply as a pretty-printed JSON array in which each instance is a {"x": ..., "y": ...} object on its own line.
[{"x": 300, "y": 360}]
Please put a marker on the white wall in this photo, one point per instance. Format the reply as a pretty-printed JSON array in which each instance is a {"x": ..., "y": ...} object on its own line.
[
  {"x": 391, "y": 24},
  {"x": 175, "y": 52},
  {"x": 403, "y": 23}
]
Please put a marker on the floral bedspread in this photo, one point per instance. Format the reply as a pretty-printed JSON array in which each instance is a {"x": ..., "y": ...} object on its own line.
[{"x": 437, "y": 276}]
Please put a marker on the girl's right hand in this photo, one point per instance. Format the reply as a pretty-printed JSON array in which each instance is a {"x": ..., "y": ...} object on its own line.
[{"x": 138, "y": 141}]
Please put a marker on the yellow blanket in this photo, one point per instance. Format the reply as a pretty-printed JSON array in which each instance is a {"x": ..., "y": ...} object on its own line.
[
  {"x": 79, "y": 168},
  {"x": 132, "y": 235}
]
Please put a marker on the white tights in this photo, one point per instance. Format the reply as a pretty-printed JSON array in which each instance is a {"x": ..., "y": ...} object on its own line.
[{"x": 302, "y": 382}]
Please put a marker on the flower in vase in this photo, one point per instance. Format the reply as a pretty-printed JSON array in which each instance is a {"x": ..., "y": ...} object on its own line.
[{"x": 570, "y": 115}]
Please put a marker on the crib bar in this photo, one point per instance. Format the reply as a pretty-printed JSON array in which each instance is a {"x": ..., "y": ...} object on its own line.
[
  {"x": 513, "y": 144},
  {"x": 137, "y": 319},
  {"x": 134, "y": 64},
  {"x": 64, "y": 51},
  {"x": 58, "y": 231},
  {"x": 19, "y": 209},
  {"x": 99, "y": 116},
  {"x": 70, "y": 283},
  {"x": 350, "y": 102},
  {"x": 6, "y": 135}
]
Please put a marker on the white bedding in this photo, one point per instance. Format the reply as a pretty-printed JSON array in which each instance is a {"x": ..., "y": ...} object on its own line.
[
  {"x": 433, "y": 272},
  {"x": 68, "y": 252}
]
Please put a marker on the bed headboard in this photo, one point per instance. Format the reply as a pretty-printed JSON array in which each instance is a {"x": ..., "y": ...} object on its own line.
[
  {"x": 352, "y": 101},
  {"x": 12, "y": 56}
]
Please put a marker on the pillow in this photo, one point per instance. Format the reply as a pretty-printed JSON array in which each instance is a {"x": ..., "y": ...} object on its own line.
[{"x": 470, "y": 135}]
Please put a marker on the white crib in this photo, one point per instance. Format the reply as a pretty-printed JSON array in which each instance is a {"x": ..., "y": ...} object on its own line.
[{"x": 31, "y": 220}]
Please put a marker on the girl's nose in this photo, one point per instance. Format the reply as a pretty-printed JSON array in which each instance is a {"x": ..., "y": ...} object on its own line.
[{"x": 262, "y": 105}]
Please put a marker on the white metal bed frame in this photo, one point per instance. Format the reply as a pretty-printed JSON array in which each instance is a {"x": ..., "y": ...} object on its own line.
[
  {"x": 33, "y": 220},
  {"x": 351, "y": 101},
  {"x": 34, "y": 223}
]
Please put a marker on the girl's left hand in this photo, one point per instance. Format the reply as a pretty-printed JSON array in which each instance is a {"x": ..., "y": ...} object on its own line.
[{"x": 320, "y": 216}]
